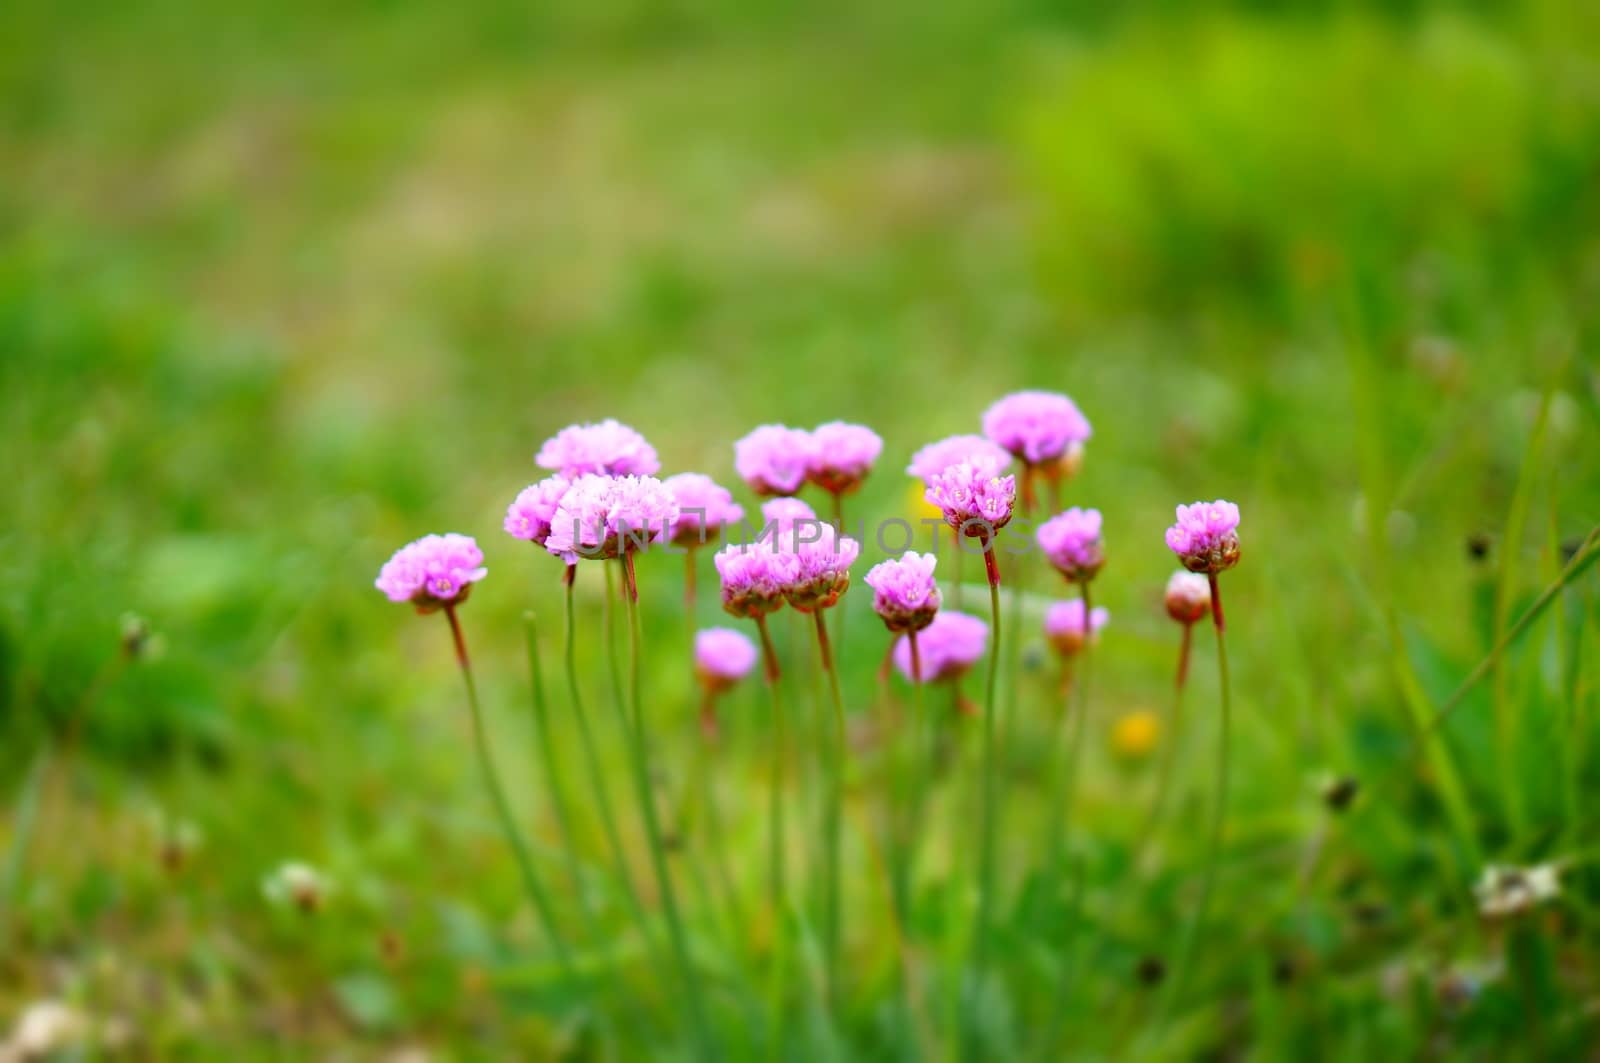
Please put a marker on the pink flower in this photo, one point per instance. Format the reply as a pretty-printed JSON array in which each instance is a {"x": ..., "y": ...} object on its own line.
[
  {"x": 609, "y": 448},
  {"x": 904, "y": 592},
  {"x": 1205, "y": 537},
  {"x": 935, "y": 458},
  {"x": 841, "y": 456},
  {"x": 818, "y": 572},
  {"x": 434, "y": 571},
  {"x": 722, "y": 657},
  {"x": 1188, "y": 597},
  {"x": 773, "y": 459},
  {"x": 704, "y": 508},
  {"x": 1071, "y": 541},
  {"x": 529, "y": 516},
  {"x": 975, "y": 498},
  {"x": 753, "y": 578},
  {"x": 1063, "y": 625},
  {"x": 1036, "y": 426},
  {"x": 605, "y": 516},
  {"x": 785, "y": 521},
  {"x": 947, "y": 648}
]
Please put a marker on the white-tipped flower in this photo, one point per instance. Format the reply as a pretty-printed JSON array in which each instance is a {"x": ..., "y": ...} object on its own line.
[
  {"x": 1506, "y": 891},
  {"x": 1188, "y": 596}
]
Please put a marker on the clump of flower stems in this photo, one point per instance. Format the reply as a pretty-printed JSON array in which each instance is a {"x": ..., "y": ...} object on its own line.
[{"x": 602, "y": 502}]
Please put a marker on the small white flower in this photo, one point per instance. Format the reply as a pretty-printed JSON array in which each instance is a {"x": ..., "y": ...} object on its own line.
[
  {"x": 43, "y": 1028},
  {"x": 296, "y": 883},
  {"x": 1505, "y": 891}
]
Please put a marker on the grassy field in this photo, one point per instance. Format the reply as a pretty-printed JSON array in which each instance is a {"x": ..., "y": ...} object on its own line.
[{"x": 285, "y": 286}]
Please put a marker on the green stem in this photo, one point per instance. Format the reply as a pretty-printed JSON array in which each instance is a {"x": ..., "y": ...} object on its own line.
[
  {"x": 22, "y": 827},
  {"x": 1072, "y": 760},
  {"x": 1067, "y": 789},
  {"x": 833, "y": 823},
  {"x": 920, "y": 765},
  {"x": 1169, "y": 755},
  {"x": 554, "y": 777},
  {"x": 1220, "y": 811},
  {"x": 613, "y": 669},
  {"x": 508, "y": 823},
  {"x": 776, "y": 847},
  {"x": 716, "y": 840},
  {"x": 647, "y": 806},
  {"x": 597, "y": 775},
  {"x": 955, "y": 537},
  {"x": 986, "y": 827}
]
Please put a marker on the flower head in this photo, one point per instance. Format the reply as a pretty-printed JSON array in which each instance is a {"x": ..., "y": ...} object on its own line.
[
  {"x": 785, "y": 521},
  {"x": 1064, "y": 627},
  {"x": 606, "y": 516},
  {"x": 722, "y": 657},
  {"x": 1071, "y": 541},
  {"x": 975, "y": 499},
  {"x": 817, "y": 572},
  {"x": 529, "y": 515},
  {"x": 753, "y": 578},
  {"x": 935, "y": 458},
  {"x": 1505, "y": 891},
  {"x": 946, "y": 648},
  {"x": 841, "y": 455},
  {"x": 1188, "y": 596},
  {"x": 773, "y": 459},
  {"x": 1205, "y": 537},
  {"x": 904, "y": 591},
  {"x": 704, "y": 507},
  {"x": 1037, "y": 427},
  {"x": 609, "y": 448},
  {"x": 434, "y": 571}
]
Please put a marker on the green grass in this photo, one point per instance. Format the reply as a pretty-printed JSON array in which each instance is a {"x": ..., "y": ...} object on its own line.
[{"x": 284, "y": 287}]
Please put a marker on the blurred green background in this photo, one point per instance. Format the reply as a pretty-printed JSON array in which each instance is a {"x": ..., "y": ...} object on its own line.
[{"x": 283, "y": 286}]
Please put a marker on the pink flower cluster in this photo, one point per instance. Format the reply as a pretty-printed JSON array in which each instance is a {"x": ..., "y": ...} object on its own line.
[
  {"x": 529, "y": 515},
  {"x": 704, "y": 508},
  {"x": 1071, "y": 541},
  {"x": 1064, "y": 625},
  {"x": 722, "y": 657},
  {"x": 753, "y": 577},
  {"x": 841, "y": 455},
  {"x": 434, "y": 571},
  {"x": 785, "y": 521},
  {"x": 946, "y": 648},
  {"x": 809, "y": 574},
  {"x": 904, "y": 592},
  {"x": 602, "y": 517},
  {"x": 819, "y": 571},
  {"x": 775, "y": 459},
  {"x": 609, "y": 448},
  {"x": 1037, "y": 427},
  {"x": 935, "y": 458},
  {"x": 975, "y": 499},
  {"x": 1205, "y": 537}
]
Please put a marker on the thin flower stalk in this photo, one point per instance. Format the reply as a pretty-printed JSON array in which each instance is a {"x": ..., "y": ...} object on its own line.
[
  {"x": 531, "y": 881},
  {"x": 597, "y": 773},
  {"x": 990, "y": 792},
  {"x": 835, "y": 760},
  {"x": 777, "y": 875},
  {"x": 555, "y": 777},
  {"x": 641, "y": 768}
]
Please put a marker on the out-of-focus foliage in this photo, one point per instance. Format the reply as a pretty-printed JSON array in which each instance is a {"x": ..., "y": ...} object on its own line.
[
  {"x": 284, "y": 285},
  {"x": 1240, "y": 159}
]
